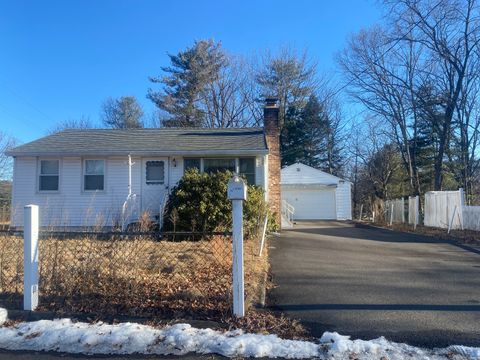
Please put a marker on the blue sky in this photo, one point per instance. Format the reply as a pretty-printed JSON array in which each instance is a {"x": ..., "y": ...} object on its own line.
[{"x": 60, "y": 60}]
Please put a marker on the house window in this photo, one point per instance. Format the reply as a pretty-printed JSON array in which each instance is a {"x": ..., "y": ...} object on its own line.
[
  {"x": 49, "y": 175},
  {"x": 191, "y": 164},
  {"x": 243, "y": 166},
  {"x": 155, "y": 172},
  {"x": 247, "y": 169},
  {"x": 216, "y": 165},
  {"x": 94, "y": 175}
]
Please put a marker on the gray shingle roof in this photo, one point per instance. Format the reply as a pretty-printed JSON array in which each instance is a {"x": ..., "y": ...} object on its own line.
[{"x": 146, "y": 142}]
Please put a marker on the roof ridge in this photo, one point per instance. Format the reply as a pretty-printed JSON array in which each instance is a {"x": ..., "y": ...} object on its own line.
[{"x": 165, "y": 129}]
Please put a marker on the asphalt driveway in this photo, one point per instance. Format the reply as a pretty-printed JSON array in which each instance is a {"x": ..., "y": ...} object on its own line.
[{"x": 369, "y": 282}]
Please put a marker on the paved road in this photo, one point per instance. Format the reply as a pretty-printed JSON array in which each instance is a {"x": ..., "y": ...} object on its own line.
[{"x": 368, "y": 282}]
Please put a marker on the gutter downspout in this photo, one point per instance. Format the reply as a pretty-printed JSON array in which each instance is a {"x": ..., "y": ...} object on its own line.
[{"x": 129, "y": 175}]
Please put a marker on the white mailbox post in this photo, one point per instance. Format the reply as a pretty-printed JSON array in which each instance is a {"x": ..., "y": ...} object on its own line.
[
  {"x": 30, "y": 258},
  {"x": 237, "y": 192}
]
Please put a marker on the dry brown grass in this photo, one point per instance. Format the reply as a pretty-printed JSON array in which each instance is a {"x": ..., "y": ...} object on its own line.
[
  {"x": 11, "y": 266},
  {"x": 138, "y": 276},
  {"x": 158, "y": 280}
]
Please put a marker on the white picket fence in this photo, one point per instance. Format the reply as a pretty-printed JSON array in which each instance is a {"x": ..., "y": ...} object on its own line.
[
  {"x": 471, "y": 217},
  {"x": 443, "y": 209},
  {"x": 414, "y": 210}
]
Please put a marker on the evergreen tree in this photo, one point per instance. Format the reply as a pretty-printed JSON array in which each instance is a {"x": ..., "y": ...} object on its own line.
[
  {"x": 302, "y": 134},
  {"x": 314, "y": 131},
  {"x": 430, "y": 130},
  {"x": 185, "y": 84},
  {"x": 291, "y": 139},
  {"x": 331, "y": 156}
]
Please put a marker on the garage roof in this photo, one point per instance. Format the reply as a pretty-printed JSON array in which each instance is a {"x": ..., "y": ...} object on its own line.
[{"x": 301, "y": 174}]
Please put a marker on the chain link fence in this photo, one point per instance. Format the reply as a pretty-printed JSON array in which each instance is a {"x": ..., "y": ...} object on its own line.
[
  {"x": 395, "y": 211},
  {"x": 175, "y": 275},
  {"x": 4, "y": 215}
]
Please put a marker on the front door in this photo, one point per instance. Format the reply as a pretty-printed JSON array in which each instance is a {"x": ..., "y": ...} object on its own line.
[{"x": 154, "y": 184}]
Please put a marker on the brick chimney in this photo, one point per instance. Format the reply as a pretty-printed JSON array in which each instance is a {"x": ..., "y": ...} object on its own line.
[{"x": 271, "y": 121}]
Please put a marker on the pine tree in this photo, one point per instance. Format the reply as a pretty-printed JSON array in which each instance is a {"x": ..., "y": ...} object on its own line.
[
  {"x": 186, "y": 81},
  {"x": 302, "y": 134},
  {"x": 314, "y": 131},
  {"x": 292, "y": 138},
  {"x": 430, "y": 127},
  {"x": 331, "y": 154}
]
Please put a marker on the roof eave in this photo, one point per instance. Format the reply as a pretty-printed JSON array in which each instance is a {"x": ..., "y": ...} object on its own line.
[{"x": 139, "y": 153}]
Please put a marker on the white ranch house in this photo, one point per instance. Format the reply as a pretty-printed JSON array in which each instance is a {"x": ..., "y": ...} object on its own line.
[
  {"x": 107, "y": 177},
  {"x": 85, "y": 178}
]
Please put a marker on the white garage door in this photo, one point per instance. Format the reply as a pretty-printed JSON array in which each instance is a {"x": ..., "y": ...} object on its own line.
[{"x": 312, "y": 204}]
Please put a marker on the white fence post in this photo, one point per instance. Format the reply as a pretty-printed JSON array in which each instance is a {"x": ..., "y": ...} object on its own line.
[
  {"x": 237, "y": 192},
  {"x": 413, "y": 210},
  {"x": 450, "y": 224},
  {"x": 30, "y": 258},
  {"x": 391, "y": 214},
  {"x": 264, "y": 233},
  {"x": 461, "y": 194},
  {"x": 417, "y": 212}
]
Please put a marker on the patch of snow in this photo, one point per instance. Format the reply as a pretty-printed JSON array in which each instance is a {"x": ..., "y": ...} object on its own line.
[
  {"x": 65, "y": 335},
  {"x": 3, "y": 316},
  {"x": 467, "y": 352},
  {"x": 127, "y": 338},
  {"x": 341, "y": 347}
]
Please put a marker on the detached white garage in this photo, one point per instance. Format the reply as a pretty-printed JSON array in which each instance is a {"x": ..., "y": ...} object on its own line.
[{"x": 315, "y": 194}]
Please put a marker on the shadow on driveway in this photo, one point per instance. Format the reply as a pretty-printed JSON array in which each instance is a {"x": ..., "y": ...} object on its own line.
[
  {"x": 368, "y": 282},
  {"x": 378, "y": 234}
]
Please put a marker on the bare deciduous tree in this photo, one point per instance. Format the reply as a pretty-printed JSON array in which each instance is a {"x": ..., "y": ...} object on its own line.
[
  {"x": 288, "y": 75},
  {"x": 380, "y": 75},
  {"x": 449, "y": 32},
  {"x": 6, "y": 143},
  {"x": 122, "y": 113},
  {"x": 81, "y": 123},
  {"x": 420, "y": 71}
]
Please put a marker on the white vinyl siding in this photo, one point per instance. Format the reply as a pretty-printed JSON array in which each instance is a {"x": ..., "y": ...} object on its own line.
[
  {"x": 344, "y": 201},
  {"x": 71, "y": 205},
  {"x": 175, "y": 172}
]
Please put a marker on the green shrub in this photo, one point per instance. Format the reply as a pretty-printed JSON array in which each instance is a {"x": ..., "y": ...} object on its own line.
[{"x": 199, "y": 203}]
